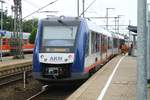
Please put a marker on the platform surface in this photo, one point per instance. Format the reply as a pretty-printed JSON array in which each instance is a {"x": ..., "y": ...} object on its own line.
[
  {"x": 6, "y": 61},
  {"x": 122, "y": 86}
]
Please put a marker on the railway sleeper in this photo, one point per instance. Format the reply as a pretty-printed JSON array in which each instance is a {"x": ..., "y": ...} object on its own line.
[{"x": 14, "y": 70}]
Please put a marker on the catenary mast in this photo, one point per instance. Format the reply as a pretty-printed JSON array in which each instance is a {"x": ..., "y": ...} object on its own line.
[{"x": 17, "y": 37}]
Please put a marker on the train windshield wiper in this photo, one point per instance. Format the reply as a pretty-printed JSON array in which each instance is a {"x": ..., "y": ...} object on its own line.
[{"x": 67, "y": 26}]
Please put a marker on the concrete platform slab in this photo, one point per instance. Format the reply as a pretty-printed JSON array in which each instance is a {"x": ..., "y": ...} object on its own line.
[
  {"x": 8, "y": 61},
  {"x": 122, "y": 86}
]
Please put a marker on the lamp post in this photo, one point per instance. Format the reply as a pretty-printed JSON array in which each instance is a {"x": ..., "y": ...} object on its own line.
[
  {"x": 141, "y": 50},
  {"x": 107, "y": 16},
  {"x": 1, "y": 54},
  {"x": 129, "y": 34},
  {"x": 118, "y": 21},
  {"x": 115, "y": 23}
]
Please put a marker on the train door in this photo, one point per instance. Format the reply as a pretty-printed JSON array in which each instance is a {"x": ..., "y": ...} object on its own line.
[
  {"x": 93, "y": 51},
  {"x": 110, "y": 47},
  {"x": 100, "y": 46},
  {"x": 104, "y": 47},
  {"x": 115, "y": 45}
]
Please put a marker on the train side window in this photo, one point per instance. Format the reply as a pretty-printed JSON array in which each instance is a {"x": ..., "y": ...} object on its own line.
[
  {"x": 25, "y": 41},
  {"x": 4, "y": 41},
  {"x": 109, "y": 42},
  {"x": 102, "y": 43},
  {"x": 97, "y": 42},
  {"x": 115, "y": 42},
  {"x": 94, "y": 43},
  {"x": 87, "y": 46},
  {"x": 7, "y": 40}
]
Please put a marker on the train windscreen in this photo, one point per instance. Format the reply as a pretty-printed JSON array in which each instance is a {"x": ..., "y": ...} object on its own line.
[{"x": 59, "y": 35}]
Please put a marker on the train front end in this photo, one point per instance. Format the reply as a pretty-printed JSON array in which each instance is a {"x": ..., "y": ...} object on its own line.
[{"x": 57, "y": 55}]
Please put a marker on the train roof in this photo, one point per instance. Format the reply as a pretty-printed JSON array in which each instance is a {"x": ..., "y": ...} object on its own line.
[
  {"x": 92, "y": 26},
  {"x": 60, "y": 20},
  {"x": 74, "y": 20},
  {"x": 115, "y": 35}
]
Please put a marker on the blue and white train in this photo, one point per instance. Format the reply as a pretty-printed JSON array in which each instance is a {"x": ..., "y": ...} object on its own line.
[{"x": 71, "y": 49}]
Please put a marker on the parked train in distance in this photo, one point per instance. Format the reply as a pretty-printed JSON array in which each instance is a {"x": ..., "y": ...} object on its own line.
[
  {"x": 69, "y": 49},
  {"x": 6, "y": 41}
]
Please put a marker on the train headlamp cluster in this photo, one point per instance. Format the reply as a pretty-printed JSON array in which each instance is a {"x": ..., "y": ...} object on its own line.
[
  {"x": 42, "y": 56},
  {"x": 62, "y": 17}
]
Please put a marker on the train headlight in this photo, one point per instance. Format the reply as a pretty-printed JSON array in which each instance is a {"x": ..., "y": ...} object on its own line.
[
  {"x": 70, "y": 56},
  {"x": 62, "y": 17},
  {"x": 42, "y": 56}
]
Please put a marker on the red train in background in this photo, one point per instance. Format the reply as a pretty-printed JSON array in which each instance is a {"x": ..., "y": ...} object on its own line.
[{"x": 6, "y": 41}]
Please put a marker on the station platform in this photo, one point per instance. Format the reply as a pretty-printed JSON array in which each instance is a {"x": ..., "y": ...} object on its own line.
[
  {"x": 114, "y": 81},
  {"x": 8, "y": 61}
]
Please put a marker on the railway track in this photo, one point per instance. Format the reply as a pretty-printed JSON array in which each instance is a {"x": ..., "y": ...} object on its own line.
[
  {"x": 54, "y": 93},
  {"x": 7, "y": 69},
  {"x": 12, "y": 73},
  {"x": 7, "y": 79}
]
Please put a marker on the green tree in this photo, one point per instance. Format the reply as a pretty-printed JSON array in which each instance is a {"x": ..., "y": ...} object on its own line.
[
  {"x": 28, "y": 25},
  {"x": 32, "y": 36},
  {"x": 8, "y": 23}
]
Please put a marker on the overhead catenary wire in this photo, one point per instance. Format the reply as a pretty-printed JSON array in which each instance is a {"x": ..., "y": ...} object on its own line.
[
  {"x": 39, "y": 9},
  {"x": 88, "y": 7},
  {"x": 32, "y": 4}
]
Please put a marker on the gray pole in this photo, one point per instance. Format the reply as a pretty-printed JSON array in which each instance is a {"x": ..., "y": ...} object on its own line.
[
  {"x": 115, "y": 23},
  {"x": 118, "y": 23},
  {"x": 83, "y": 7},
  {"x": 2, "y": 15},
  {"x": 1, "y": 53},
  {"x": 141, "y": 51},
  {"x": 78, "y": 8},
  {"x": 24, "y": 79},
  {"x": 148, "y": 47},
  {"x": 129, "y": 34},
  {"x": 107, "y": 16}
]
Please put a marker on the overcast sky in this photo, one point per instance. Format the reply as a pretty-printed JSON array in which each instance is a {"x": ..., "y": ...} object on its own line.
[
  {"x": 127, "y": 8},
  {"x": 69, "y": 7}
]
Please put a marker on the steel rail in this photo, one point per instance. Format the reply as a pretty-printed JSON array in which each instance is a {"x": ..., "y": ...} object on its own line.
[{"x": 4, "y": 80}]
